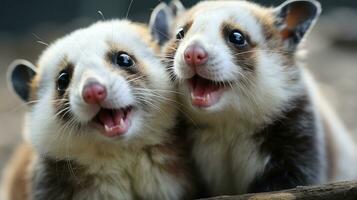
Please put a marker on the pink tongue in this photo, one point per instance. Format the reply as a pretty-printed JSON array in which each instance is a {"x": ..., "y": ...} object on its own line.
[
  {"x": 204, "y": 93},
  {"x": 114, "y": 122}
]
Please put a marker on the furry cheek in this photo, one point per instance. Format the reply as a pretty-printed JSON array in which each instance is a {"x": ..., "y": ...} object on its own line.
[
  {"x": 82, "y": 112},
  {"x": 119, "y": 93},
  {"x": 182, "y": 70}
]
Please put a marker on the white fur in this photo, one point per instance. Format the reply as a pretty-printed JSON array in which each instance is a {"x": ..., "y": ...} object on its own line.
[{"x": 227, "y": 158}]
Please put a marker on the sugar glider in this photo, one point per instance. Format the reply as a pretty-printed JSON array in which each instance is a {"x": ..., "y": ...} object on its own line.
[
  {"x": 258, "y": 122},
  {"x": 101, "y": 120}
]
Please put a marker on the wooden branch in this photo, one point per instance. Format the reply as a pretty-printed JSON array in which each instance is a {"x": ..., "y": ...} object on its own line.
[{"x": 332, "y": 191}]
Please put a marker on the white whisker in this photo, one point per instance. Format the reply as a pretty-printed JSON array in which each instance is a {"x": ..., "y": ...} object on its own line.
[{"x": 128, "y": 10}]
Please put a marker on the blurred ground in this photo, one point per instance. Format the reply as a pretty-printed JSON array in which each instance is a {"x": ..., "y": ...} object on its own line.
[{"x": 332, "y": 59}]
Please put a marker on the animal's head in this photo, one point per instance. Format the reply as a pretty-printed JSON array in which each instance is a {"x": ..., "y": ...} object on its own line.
[
  {"x": 102, "y": 84},
  {"x": 239, "y": 56}
]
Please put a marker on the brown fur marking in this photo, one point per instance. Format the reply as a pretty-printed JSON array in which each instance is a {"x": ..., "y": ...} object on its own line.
[{"x": 245, "y": 56}]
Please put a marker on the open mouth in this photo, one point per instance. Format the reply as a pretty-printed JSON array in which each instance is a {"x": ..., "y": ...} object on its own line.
[
  {"x": 204, "y": 92},
  {"x": 115, "y": 122}
]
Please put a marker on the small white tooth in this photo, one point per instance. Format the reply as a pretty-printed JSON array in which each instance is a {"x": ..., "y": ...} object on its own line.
[
  {"x": 192, "y": 95},
  {"x": 122, "y": 123},
  {"x": 207, "y": 97},
  {"x": 107, "y": 128},
  {"x": 197, "y": 97}
]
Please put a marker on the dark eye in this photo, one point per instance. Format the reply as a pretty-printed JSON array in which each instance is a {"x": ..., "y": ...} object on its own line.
[
  {"x": 180, "y": 34},
  {"x": 237, "y": 38},
  {"x": 123, "y": 60},
  {"x": 63, "y": 81}
]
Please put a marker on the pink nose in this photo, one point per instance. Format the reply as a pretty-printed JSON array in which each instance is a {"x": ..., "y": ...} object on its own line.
[
  {"x": 94, "y": 93},
  {"x": 195, "y": 55}
]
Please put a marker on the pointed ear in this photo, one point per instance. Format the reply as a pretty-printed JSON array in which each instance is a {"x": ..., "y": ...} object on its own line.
[
  {"x": 160, "y": 21},
  {"x": 177, "y": 7},
  {"x": 20, "y": 75},
  {"x": 295, "y": 18}
]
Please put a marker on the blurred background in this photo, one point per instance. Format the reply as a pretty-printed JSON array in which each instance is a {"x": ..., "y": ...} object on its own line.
[{"x": 332, "y": 55}]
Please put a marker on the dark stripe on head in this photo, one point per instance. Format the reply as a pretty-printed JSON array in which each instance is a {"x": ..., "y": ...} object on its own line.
[{"x": 244, "y": 56}]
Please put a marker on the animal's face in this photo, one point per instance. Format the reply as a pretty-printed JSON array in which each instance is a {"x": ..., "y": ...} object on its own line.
[
  {"x": 236, "y": 55},
  {"x": 216, "y": 48},
  {"x": 103, "y": 83}
]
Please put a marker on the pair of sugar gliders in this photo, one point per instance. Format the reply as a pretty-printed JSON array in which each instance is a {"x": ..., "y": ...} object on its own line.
[{"x": 201, "y": 102}]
